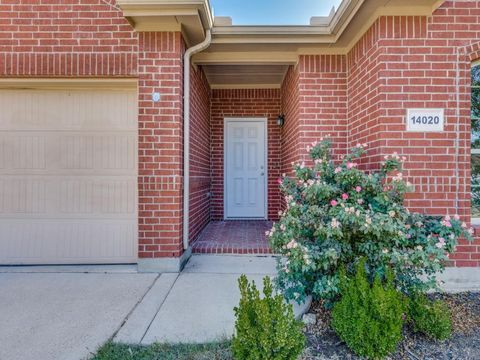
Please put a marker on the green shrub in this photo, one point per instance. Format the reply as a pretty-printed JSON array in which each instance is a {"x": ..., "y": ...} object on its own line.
[
  {"x": 266, "y": 328},
  {"x": 369, "y": 318},
  {"x": 432, "y": 318},
  {"x": 337, "y": 213}
]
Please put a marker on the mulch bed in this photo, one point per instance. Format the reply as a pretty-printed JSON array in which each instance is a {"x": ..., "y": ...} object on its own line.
[{"x": 322, "y": 342}]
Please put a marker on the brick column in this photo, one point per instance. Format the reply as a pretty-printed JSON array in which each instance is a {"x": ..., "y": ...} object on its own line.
[
  {"x": 322, "y": 101},
  {"x": 160, "y": 151},
  {"x": 314, "y": 101}
]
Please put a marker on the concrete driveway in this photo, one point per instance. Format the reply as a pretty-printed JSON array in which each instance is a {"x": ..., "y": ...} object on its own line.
[{"x": 56, "y": 315}]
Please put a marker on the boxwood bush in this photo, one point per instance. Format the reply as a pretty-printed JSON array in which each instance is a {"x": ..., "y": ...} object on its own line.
[
  {"x": 432, "y": 318},
  {"x": 265, "y": 328},
  {"x": 369, "y": 318}
]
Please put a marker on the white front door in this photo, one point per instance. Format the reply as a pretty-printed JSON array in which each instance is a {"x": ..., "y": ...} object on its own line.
[{"x": 245, "y": 168}]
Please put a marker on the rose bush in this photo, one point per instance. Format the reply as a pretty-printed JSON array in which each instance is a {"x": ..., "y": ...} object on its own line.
[{"x": 336, "y": 214}]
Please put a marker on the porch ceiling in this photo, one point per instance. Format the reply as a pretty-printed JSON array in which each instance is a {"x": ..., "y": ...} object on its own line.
[{"x": 244, "y": 75}]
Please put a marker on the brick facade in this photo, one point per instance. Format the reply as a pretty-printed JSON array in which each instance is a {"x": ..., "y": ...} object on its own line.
[
  {"x": 314, "y": 101},
  {"x": 200, "y": 165},
  {"x": 323, "y": 99},
  {"x": 246, "y": 103},
  {"x": 400, "y": 62},
  {"x": 290, "y": 99},
  {"x": 160, "y": 145},
  {"x": 66, "y": 38},
  {"x": 423, "y": 62}
]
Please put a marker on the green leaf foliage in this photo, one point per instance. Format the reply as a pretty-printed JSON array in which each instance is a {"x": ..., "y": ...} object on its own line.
[
  {"x": 265, "y": 328},
  {"x": 337, "y": 213},
  {"x": 369, "y": 318},
  {"x": 432, "y": 318}
]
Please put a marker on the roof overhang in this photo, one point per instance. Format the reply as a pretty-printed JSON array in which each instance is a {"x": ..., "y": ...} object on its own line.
[
  {"x": 337, "y": 35},
  {"x": 256, "y": 46},
  {"x": 191, "y": 17}
]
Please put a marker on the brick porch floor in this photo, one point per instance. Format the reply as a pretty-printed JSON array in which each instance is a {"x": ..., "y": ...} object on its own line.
[{"x": 233, "y": 237}]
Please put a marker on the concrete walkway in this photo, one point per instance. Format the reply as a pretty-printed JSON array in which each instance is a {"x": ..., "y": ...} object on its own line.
[
  {"x": 195, "y": 306},
  {"x": 67, "y": 312}
]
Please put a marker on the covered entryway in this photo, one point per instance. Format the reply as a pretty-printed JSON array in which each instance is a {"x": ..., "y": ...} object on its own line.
[
  {"x": 68, "y": 172},
  {"x": 236, "y": 156},
  {"x": 245, "y": 168}
]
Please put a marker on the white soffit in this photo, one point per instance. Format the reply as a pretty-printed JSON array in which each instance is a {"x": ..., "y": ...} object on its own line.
[{"x": 245, "y": 76}]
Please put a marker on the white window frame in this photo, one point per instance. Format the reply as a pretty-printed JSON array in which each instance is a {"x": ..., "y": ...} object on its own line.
[{"x": 474, "y": 220}]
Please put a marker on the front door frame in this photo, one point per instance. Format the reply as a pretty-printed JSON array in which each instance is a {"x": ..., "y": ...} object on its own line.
[{"x": 265, "y": 177}]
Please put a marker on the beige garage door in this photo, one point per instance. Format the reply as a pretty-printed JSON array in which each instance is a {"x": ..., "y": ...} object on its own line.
[{"x": 68, "y": 168}]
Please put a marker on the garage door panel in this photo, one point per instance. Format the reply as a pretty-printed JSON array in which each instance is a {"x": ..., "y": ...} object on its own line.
[
  {"x": 68, "y": 176},
  {"x": 68, "y": 110},
  {"x": 64, "y": 152},
  {"x": 67, "y": 196},
  {"x": 70, "y": 241},
  {"x": 108, "y": 152},
  {"x": 21, "y": 195},
  {"x": 106, "y": 197}
]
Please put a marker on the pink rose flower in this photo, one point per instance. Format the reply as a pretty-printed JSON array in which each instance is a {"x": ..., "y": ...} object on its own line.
[
  {"x": 333, "y": 203},
  {"x": 337, "y": 170},
  {"x": 344, "y": 196},
  {"x": 441, "y": 243},
  {"x": 279, "y": 180},
  {"x": 358, "y": 189},
  {"x": 351, "y": 165}
]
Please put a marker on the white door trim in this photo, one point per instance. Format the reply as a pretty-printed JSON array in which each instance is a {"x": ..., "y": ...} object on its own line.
[{"x": 265, "y": 178}]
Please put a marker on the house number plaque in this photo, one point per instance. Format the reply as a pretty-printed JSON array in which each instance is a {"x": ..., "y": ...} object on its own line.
[{"x": 425, "y": 120}]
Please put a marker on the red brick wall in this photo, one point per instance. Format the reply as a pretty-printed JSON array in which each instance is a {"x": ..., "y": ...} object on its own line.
[
  {"x": 245, "y": 103},
  {"x": 290, "y": 133},
  {"x": 409, "y": 62},
  {"x": 160, "y": 144},
  {"x": 314, "y": 101},
  {"x": 364, "y": 97},
  {"x": 323, "y": 100},
  {"x": 199, "y": 152},
  {"x": 65, "y": 38}
]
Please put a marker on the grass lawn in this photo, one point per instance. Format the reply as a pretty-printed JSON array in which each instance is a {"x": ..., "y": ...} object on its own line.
[{"x": 213, "y": 351}]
